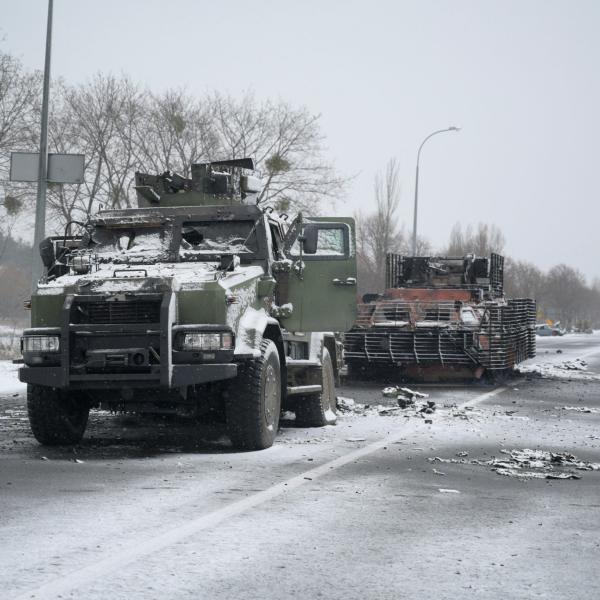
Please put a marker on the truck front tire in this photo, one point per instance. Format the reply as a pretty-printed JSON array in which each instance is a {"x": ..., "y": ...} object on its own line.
[
  {"x": 56, "y": 418},
  {"x": 254, "y": 400},
  {"x": 318, "y": 410}
]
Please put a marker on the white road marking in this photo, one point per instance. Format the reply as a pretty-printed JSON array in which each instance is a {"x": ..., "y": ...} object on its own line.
[
  {"x": 483, "y": 397},
  {"x": 589, "y": 353},
  {"x": 118, "y": 560}
]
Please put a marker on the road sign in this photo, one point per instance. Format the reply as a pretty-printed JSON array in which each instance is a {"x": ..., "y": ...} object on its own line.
[{"x": 62, "y": 168}]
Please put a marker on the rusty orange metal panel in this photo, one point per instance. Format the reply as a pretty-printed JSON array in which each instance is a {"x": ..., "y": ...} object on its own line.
[{"x": 428, "y": 295}]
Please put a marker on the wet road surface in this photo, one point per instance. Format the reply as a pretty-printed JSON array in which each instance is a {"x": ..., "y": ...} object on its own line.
[{"x": 147, "y": 508}]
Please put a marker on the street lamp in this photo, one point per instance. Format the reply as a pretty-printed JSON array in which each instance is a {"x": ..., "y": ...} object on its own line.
[
  {"x": 40, "y": 205},
  {"x": 414, "y": 237}
]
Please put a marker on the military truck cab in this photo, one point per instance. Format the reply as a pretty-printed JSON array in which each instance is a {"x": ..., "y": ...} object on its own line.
[{"x": 197, "y": 302}]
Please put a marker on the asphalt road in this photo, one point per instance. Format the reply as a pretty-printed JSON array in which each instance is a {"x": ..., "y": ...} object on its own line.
[{"x": 153, "y": 509}]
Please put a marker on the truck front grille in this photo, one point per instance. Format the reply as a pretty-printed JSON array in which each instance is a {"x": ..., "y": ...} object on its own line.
[{"x": 104, "y": 312}]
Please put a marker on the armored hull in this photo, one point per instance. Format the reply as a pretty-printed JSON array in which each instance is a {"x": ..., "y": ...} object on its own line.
[
  {"x": 198, "y": 302},
  {"x": 442, "y": 318}
]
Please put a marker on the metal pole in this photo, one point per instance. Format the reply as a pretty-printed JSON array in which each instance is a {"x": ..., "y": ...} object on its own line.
[
  {"x": 414, "y": 235},
  {"x": 40, "y": 207}
]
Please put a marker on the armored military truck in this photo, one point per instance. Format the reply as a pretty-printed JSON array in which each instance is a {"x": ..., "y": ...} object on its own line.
[{"x": 196, "y": 302}]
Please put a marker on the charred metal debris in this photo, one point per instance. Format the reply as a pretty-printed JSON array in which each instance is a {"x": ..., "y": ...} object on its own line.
[{"x": 442, "y": 317}]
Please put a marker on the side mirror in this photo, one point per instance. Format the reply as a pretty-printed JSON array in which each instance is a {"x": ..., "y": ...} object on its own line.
[
  {"x": 47, "y": 252},
  {"x": 309, "y": 238}
]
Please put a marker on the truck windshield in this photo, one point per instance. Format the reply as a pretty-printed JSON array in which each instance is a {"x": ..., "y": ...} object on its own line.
[
  {"x": 138, "y": 244},
  {"x": 200, "y": 238}
]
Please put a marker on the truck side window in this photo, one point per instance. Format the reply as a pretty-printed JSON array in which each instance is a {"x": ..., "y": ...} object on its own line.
[{"x": 332, "y": 242}]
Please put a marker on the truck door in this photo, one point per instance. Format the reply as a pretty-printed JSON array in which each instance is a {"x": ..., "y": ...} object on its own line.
[{"x": 322, "y": 280}]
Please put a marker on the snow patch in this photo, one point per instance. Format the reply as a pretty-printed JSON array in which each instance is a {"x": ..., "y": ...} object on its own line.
[
  {"x": 9, "y": 378},
  {"x": 251, "y": 326}
]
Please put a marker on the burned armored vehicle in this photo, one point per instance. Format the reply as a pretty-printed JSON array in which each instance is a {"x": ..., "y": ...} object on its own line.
[
  {"x": 196, "y": 302},
  {"x": 441, "y": 318}
]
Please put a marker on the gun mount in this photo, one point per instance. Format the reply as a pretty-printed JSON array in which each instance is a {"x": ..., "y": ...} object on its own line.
[{"x": 223, "y": 182}]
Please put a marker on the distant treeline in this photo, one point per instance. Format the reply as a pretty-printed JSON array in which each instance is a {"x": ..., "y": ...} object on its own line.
[{"x": 15, "y": 279}]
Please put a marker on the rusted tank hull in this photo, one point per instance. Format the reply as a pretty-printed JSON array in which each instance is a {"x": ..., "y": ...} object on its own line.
[
  {"x": 442, "y": 318},
  {"x": 442, "y": 347}
]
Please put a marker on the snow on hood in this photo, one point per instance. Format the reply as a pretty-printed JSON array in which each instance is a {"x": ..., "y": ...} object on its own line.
[{"x": 178, "y": 276}]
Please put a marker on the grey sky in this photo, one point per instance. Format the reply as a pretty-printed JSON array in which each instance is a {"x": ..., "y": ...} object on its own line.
[{"x": 522, "y": 78}]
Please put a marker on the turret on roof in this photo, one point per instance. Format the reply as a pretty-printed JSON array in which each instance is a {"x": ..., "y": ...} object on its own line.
[{"x": 223, "y": 182}]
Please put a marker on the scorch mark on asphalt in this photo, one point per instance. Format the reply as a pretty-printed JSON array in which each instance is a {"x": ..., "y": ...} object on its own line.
[{"x": 118, "y": 560}]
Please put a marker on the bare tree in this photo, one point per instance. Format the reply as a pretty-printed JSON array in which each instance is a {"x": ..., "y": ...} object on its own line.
[
  {"x": 523, "y": 279},
  {"x": 379, "y": 232},
  {"x": 565, "y": 294},
  {"x": 481, "y": 241},
  {"x": 18, "y": 93},
  {"x": 174, "y": 132},
  {"x": 122, "y": 128},
  {"x": 287, "y": 145}
]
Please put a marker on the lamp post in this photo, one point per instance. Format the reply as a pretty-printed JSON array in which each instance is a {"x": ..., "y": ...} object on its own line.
[
  {"x": 414, "y": 236},
  {"x": 40, "y": 206}
]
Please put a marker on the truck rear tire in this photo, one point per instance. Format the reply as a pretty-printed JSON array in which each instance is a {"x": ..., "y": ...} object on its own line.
[
  {"x": 55, "y": 417},
  {"x": 318, "y": 410},
  {"x": 253, "y": 403}
]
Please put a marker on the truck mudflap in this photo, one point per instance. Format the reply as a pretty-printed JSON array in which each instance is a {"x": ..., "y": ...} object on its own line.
[{"x": 182, "y": 375}]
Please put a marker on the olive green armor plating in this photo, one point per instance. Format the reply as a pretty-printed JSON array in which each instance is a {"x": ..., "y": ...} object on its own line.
[{"x": 196, "y": 301}]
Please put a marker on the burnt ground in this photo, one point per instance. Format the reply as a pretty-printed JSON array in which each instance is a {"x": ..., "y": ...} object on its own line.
[{"x": 148, "y": 508}]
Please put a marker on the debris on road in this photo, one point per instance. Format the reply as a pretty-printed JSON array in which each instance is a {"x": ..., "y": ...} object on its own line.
[
  {"x": 583, "y": 409},
  {"x": 346, "y": 404},
  {"x": 448, "y": 491},
  {"x": 407, "y": 398},
  {"x": 420, "y": 409},
  {"x": 356, "y": 439},
  {"x": 405, "y": 402},
  {"x": 390, "y": 392},
  {"x": 436, "y": 472},
  {"x": 466, "y": 412},
  {"x": 397, "y": 391},
  {"x": 576, "y": 367},
  {"x": 455, "y": 461},
  {"x": 529, "y": 464},
  {"x": 413, "y": 393},
  {"x": 509, "y": 472}
]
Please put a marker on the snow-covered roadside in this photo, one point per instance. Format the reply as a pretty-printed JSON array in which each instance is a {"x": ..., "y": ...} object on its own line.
[
  {"x": 573, "y": 369},
  {"x": 9, "y": 378},
  {"x": 560, "y": 357}
]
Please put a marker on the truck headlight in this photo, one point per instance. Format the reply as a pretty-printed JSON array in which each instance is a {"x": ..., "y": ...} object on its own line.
[
  {"x": 41, "y": 343},
  {"x": 196, "y": 340}
]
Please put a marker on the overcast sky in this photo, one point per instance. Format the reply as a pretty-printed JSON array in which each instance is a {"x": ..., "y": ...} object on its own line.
[{"x": 521, "y": 78}]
